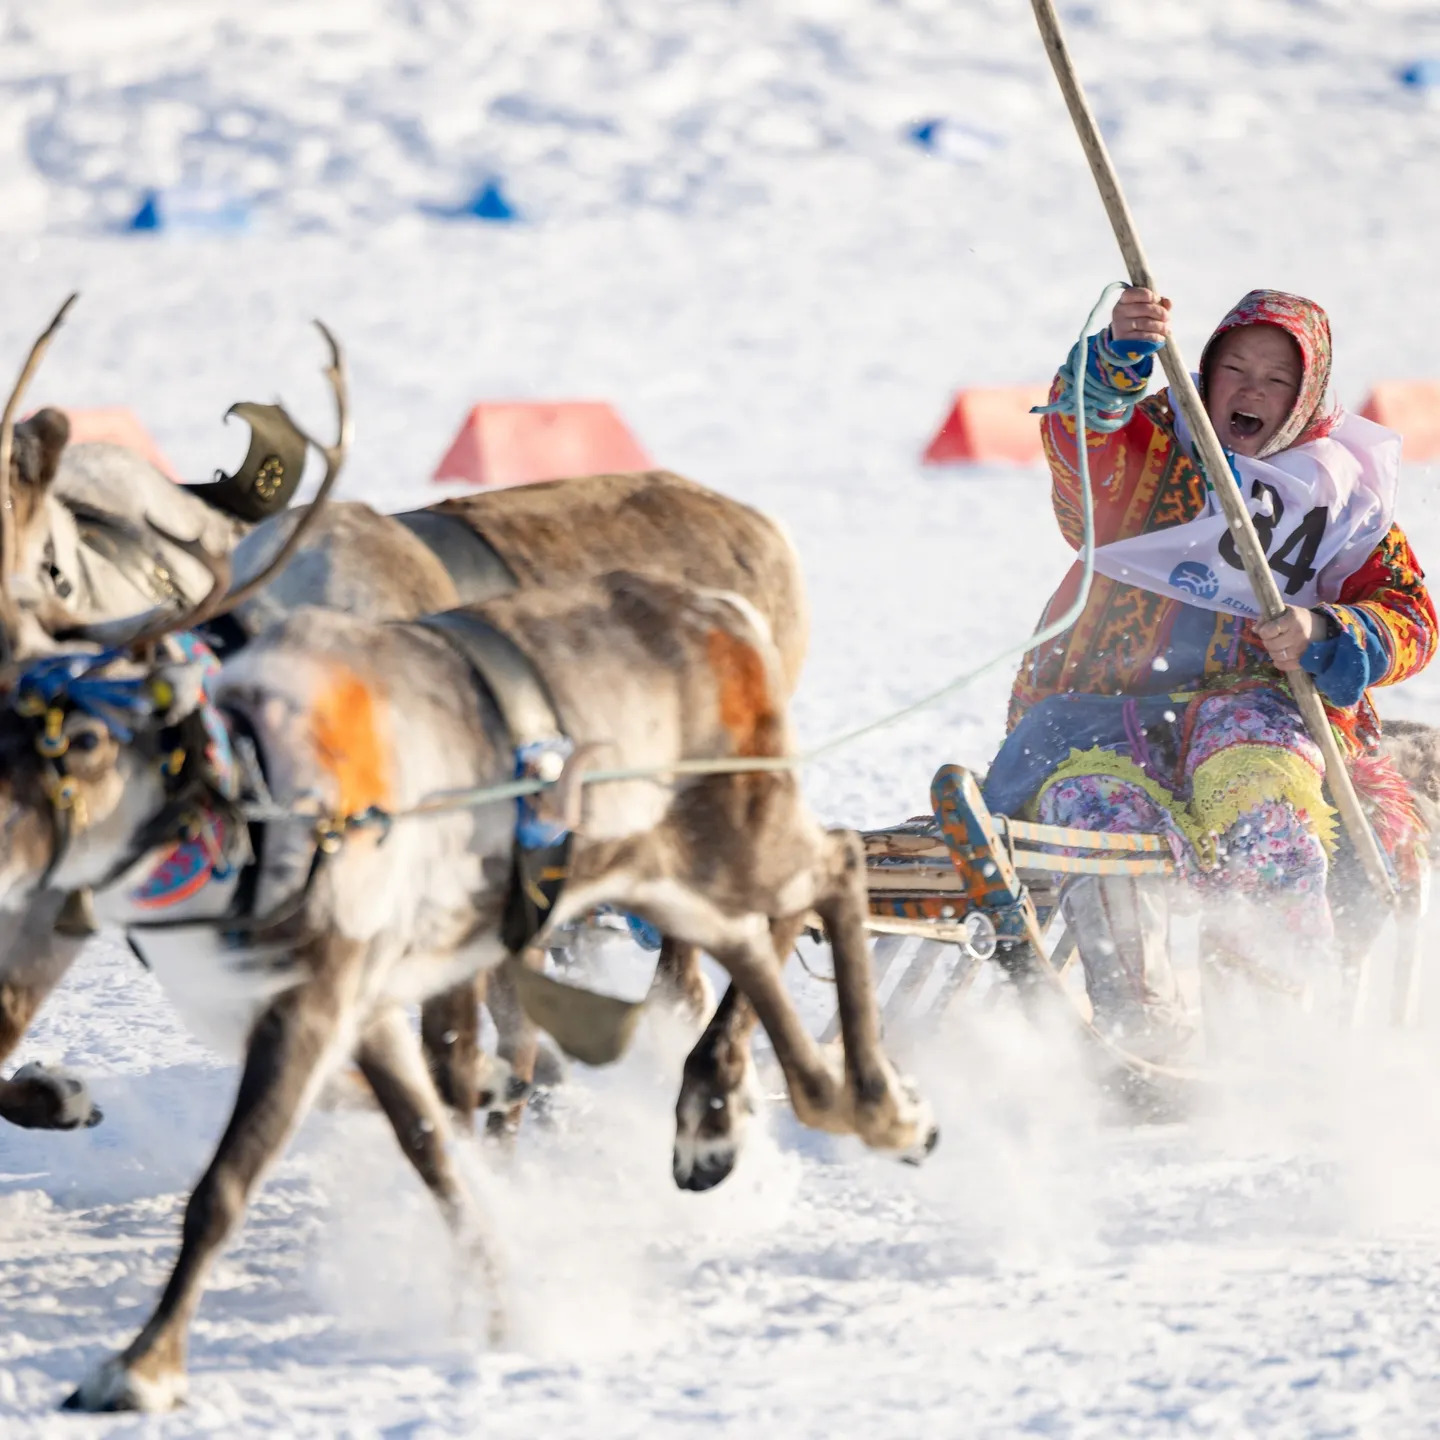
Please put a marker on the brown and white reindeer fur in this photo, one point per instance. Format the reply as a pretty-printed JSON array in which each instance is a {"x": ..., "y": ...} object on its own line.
[
  {"x": 350, "y": 713},
  {"x": 551, "y": 535}
]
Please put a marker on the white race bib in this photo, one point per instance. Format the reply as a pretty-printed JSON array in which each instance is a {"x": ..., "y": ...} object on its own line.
[{"x": 1319, "y": 510}]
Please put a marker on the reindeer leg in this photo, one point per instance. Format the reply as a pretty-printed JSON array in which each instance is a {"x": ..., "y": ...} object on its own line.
[
  {"x": 888, "y": 1111},
  {"x": 450, "y": 1033},
  {"x": 822, "y": 1091},
  {"x": 717, "y": 1096},
  {"x": 680, "y": 982},
  {"x": 818, "y": 1092},
  {"x": 290, "y": 1049},
  {"x": 390, "y": 1060},
  {"x": 518, "y": 1042},
  {"x": 720, "y": 1091},
  {"x": 37, "y": 1097}
]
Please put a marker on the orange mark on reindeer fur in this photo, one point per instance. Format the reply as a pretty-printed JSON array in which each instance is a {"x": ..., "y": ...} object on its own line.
[
  {"x": 745, "y": 708},
  {"x": 348, "y": 741}
]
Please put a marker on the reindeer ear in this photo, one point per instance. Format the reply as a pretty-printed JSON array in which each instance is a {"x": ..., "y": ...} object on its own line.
[{"x": 39, "y": 443}]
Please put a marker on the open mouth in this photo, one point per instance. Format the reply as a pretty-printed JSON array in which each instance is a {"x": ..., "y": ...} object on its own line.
[{"x": 1244, "y": 425}]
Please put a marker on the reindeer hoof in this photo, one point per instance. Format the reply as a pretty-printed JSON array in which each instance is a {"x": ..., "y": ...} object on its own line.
[
  {"x": 500, "y": 1087},
  {"x": 926, "y": 1148},
  {"x": 54, "y": 1099},
  {"x": 710, "y": 1125},
  {"x": 115, "y": 1387},
  {"x": 501, "y": 1133},
  {"x": 903, "y": 1124},
  {"x": 917, "y": 1115},
  {"x": 702, "y": 1164}
]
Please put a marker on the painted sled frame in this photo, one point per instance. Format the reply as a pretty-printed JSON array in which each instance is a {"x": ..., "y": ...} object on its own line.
[{"x": 989, "y": 886}]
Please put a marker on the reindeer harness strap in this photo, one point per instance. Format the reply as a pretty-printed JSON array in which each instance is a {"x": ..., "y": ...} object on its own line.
[
  {"x": 472, "y": 562},
  {"x": 542, "y": 846}
]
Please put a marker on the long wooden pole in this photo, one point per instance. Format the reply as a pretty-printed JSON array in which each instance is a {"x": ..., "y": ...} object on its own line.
[{"x": 1212, "y": 455}]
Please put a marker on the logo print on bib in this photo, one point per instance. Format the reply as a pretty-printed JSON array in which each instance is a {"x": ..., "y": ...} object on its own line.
[{"x": 1195, "y": 578}]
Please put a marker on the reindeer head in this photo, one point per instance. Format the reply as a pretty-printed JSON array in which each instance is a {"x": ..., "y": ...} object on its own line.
[
  {"x": 94, "y": 747},
  {"x": 98, "y": 740}
]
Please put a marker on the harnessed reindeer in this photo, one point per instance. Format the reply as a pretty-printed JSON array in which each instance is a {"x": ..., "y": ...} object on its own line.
[
  {"x": 341, "y": 910},
  {"x": 482, "y": 546}
]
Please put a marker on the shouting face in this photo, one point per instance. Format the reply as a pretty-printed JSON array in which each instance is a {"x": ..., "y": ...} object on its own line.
[{"x": 1251, "y": 385}]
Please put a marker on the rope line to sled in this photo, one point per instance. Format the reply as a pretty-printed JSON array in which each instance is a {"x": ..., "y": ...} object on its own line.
[{"x": 446, "y": 802}]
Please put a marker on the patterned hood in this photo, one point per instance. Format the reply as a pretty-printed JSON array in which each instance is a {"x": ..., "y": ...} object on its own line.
[{"x": 1308, "y": 325}]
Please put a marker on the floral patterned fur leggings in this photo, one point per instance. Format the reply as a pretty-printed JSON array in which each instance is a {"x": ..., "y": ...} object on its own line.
[{"x": 1255, "y": 824}]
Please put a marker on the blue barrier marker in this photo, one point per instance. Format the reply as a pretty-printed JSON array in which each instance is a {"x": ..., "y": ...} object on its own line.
[
  {"x": 925, "y": 133},
  {"x": 147, "y": 217},
  {"x": 183, "y": 208},
  {"x": 488, "y": 204}
]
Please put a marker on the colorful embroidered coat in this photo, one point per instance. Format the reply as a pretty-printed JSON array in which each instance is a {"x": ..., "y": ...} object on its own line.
[{"x": 1129, "y": 641}]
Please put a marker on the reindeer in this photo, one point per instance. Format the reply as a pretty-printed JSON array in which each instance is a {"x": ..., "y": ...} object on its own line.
[
  {"x": 550, "y": 534},
  {"x": 353, "y": 916}
]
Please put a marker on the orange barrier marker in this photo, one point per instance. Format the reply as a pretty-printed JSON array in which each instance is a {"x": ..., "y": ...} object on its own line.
[
  {"x": 994, "y": 424},
  {"x": 515, "y": 442},
  {"x": 120, "y": 427},
  {"x": 1413, "y": 408}
]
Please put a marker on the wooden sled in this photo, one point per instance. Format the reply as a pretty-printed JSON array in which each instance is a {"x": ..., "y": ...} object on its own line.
[
  {"x": 982, "y": 883},
  {"x": 972, "y": 886},
  {"x": 978, "y": 881}
]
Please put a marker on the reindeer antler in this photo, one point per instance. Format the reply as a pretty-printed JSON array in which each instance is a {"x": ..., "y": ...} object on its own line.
[
  {"x": 8, "y": 616},
  {"x": 138, "y": 631},
  {"x": 334, "y": 458}
]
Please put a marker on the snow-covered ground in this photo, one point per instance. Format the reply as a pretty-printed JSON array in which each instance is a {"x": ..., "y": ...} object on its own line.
[{"x": 729, "y": 236}]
